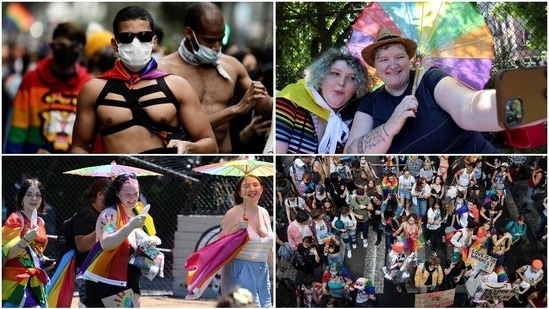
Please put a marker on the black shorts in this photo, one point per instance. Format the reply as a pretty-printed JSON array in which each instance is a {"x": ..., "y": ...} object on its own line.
[{"x": 95, "y": 291}]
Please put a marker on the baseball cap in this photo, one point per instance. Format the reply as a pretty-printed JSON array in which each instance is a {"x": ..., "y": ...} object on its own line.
[
  {"x": 96, "y": 41},
  {"x": 447, "y": 200},
  {"x": 320, "y": 189},
  {"x": 537, "y": 263},
  {"x": 299, "y": 162}
]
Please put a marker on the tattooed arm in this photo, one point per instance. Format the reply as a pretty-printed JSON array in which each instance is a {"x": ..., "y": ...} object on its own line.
[{"x": 363, "y": 138}]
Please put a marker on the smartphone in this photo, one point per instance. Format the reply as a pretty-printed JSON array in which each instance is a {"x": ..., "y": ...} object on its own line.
[
  {"x": 521, "y": 96},
  {"x": 47, "y": 263}
]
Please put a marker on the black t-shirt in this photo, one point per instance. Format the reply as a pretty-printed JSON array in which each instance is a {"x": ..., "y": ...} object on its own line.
[
  {"x": 83, "y": 224},
  {"x": 491, "y": 212},
  {"x": 432, "y": 130}
]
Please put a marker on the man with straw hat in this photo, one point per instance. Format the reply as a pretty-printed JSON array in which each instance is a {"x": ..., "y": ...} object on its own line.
[{"x": 440, "y": 115}]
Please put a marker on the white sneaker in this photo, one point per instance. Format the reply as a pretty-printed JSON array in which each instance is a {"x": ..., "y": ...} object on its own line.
[
  {"x": 365, "y": 243},
  {"x": 354, "y": 246},
  {"x": 349, "y": 254}
]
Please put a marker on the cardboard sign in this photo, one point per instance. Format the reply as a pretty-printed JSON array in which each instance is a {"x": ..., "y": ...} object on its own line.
[
  {"x": 481, "y": 260},
  {"x": 440, "y": 299},
  {"x": 499, "y": 291},
  {"x": 122, "y": 299}
]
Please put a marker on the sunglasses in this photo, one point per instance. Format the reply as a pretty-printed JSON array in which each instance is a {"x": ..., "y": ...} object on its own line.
[
  {"x": 124, "y": 177},
  {"x": 127, "y": 37}
]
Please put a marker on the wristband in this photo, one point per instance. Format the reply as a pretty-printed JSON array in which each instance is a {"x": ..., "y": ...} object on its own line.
[
  {"x": 19, "y": 245},
  {"x": 25, "y": 239}
]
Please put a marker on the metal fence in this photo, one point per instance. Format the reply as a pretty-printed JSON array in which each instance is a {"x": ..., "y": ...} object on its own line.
[{"x": 179, "y": 191}]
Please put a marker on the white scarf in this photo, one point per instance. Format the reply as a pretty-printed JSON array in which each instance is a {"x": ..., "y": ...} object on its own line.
[
  {"x": 336, "y": 129},
  {"x": 190, "y": 58}
]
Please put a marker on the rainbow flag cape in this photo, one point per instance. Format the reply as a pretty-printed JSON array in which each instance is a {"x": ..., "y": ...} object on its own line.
[
  {"x": 204, "y": 263},
  {"x": 61, "y": 287}
]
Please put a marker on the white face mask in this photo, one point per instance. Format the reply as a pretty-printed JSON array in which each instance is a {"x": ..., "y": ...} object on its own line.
[
  {"x": 136, "y": 54},
  {"x": 205, "y": 55},
  {"x": 333, "y": 273}
]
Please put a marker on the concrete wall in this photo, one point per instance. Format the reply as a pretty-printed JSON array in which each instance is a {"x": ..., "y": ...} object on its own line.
[{"x": 193, "y": 233}]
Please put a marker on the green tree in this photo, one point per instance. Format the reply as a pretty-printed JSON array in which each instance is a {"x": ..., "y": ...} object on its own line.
[
  {"x": 535, "y": 16},
  {"x": 306, "y": 29}
]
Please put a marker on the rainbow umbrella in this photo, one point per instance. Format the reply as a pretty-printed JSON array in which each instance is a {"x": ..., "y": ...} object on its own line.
[
  {"x": 61, "y": 287},
  {"x": 238, "y": 168},
  {"x": 452, "y": 36},
  {"x": 203, "y": 264},
  {"x": 110, "y": 171}
]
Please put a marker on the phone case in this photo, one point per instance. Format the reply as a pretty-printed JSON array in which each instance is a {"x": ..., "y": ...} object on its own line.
[{"x": 521, "y": 96}]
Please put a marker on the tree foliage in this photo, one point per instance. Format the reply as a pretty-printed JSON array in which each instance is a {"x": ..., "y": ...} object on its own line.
[
  {"x": 306, "y": 29},
  {"x": 535, "y": 16}
]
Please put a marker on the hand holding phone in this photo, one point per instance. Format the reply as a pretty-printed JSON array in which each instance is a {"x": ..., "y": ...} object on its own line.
[{"x": 521, "y": 96}]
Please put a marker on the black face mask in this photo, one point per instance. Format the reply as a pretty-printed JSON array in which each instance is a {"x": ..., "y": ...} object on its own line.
[
  {"x": 105, "y": 61},
  {"x": 65, "y": 57}
]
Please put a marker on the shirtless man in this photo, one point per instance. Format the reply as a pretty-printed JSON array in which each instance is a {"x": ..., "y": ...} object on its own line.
[
  {"x": 216, "y": 77},
  {"x": 166, "y": 103}
]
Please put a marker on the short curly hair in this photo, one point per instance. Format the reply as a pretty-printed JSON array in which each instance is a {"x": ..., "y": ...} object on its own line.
[{"x": 319, "y": 69}]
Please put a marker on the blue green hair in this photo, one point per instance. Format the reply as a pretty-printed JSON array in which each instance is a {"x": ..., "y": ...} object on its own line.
[{"x": 319, "y": 69}]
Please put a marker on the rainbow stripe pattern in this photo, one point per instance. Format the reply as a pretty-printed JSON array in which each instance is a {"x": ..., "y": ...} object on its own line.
[
  {"x": 17, "y": 17},
  {"x": 452, "y": 36},
  {"x": 61, "y": 287}
]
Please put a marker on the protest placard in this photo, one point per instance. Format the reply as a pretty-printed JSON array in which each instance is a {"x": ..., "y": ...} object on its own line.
[
  {"x": 479, "y": 259},
  {"x": 440, "y": 299},
  {"x": 499, "y": 291}
]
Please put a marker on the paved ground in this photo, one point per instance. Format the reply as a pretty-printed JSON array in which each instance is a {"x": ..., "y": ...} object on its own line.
[
  {"x": 368, "y": 261},
  {"x": 166, "y": 302}
]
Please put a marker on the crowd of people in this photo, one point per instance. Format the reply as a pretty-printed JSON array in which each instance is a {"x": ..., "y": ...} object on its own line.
[
  {"x": 65, "y": 99},
  {"x": 439, "y": 207},
  {"x": 111, "y": 243}
]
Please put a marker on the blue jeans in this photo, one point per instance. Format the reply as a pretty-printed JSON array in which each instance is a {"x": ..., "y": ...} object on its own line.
[
  {"x": 389, "y": 240},
  {"x": 542, "y": 224},
  {"x": 250, "y": 275},
  {"x": 420, "y": 209},
  {"x": 349, "y": 239},
  {"x": 363, "y": 227},
  {"x": 529, "y": 200}
]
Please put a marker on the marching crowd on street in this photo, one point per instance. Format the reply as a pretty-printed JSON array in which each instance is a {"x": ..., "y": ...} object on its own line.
[{"x": 429, "y": 214}]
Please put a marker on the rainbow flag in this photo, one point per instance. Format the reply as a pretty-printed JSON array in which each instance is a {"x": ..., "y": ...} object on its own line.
[
  {"x": 203, "y": 264},
  {"x": 61, "y": 287},
  {"x": 502, "y": 275},
  {"x": 17, "y": 17}
]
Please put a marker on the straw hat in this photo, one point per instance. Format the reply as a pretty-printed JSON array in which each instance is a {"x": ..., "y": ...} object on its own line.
[{"x": 386, "y": 36}]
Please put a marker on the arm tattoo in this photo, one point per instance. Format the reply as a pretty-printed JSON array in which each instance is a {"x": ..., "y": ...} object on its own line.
[{"x": 368, "y": 141}]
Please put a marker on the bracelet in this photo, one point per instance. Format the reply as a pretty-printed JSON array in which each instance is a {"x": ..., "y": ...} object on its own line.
[{"x": 383, "y": 127}]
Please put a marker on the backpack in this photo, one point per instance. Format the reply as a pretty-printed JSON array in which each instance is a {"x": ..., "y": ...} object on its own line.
[{"x": 65, "y": 239}]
